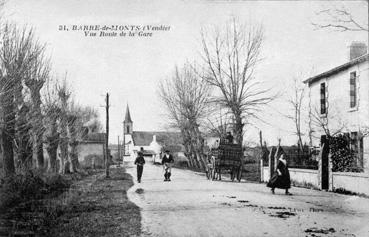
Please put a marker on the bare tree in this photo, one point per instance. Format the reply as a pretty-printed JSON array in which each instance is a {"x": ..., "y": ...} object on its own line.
[
  {"x": 341, "y": 19},
  {"x": 218, "y": 123},
  {"x": 231, "y": 55},
  {"x": 18, "y": 51},
  {"x": 295, "y": 102},
  {"x": 186, "y": 97},
  {"x": 38, "y": 74},
  {"x": 64, "y": 94},
  {"x": 326, "y": 120},
  {"x": 79, "y": 118},
  {"x": 52, "y": 113}
]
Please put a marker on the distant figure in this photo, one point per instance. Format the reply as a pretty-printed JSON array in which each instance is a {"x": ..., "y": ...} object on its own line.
[
  {"x": 210, "y": 168},
  {"x": 281, "y": 178},
  {"x": 140, "y": 161},
  {"x": 167, "y": 162},
  {"x": 229, "y": 138},
  {"x": 216, "y": 144}
]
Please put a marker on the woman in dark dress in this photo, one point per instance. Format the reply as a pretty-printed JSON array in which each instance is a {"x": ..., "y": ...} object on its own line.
[{"x": 281, "y": 178}]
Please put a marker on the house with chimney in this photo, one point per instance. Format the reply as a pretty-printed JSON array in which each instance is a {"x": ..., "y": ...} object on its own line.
[
  {"x": 153, "y": 143},
  {"x": 339, "y": 104}
]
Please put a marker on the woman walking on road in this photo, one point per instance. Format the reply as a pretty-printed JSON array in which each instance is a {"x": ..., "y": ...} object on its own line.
[
  {"x": 140, "y": 161},
  {"x": 281, "y": 178}
]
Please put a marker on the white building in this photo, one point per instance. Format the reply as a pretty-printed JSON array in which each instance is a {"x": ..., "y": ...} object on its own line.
[
  {"x": 91, "y": 150},
  {"x": 153, "y": 143},
  {"x": 339, "y": 103}
]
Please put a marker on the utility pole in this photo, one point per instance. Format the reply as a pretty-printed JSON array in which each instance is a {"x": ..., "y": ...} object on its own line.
[
  {"x": 118, "y": 151},
  {"x": 107, "y": 160},
  {"x": 261, "y": 165}
]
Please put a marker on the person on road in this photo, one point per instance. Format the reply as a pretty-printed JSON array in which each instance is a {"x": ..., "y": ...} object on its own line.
[
  {"x": 281, "y": 178},
  {"x": 167, "y": 162},
  {"x": 140, "y": 161},
  {"x": 229, "y": 138}
]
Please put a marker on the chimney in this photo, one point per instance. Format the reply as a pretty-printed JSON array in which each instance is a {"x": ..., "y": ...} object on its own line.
[
  {"x": 154, "y": 138},
  {"x": 357, "y": 49}
]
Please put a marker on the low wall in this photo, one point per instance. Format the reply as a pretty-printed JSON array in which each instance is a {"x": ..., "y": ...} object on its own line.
[
  {"x": 304, "y": 177},
  {"x": 301, "y": 177},
  {"x": 265, "y": 174},
  {"x": 349, "y": 181},
  {"x": 354, "y": 182}
]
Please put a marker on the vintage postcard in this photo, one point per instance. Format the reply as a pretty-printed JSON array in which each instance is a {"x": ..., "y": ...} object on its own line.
[{"x": 184, "y": 118}]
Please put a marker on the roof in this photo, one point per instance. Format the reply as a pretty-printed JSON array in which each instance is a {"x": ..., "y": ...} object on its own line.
[
  {"x": 175, "y": 148},
  {"x": 340, "y": 68},
  {"x": 144, "y": 138},
  {"x": 94, "y": 138},
  {"x": 127, "y": 118}
]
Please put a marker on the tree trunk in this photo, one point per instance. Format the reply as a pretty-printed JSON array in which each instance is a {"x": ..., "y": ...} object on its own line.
[
  {"x": 24, "y": 151},
  {"x": 52, "y": 145},
  {"x": 8, "y": 133},
  {"x": 238, "y": 129},
  {"x": 52, "y": 151},
  {"x": 37, "y": 129},
  {"x": 64, "y": 165},
  {"x": 73, "y": 157}
]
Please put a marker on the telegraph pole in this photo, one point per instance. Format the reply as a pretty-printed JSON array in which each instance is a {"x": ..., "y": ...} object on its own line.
[
  {"x": 107, "y": 160},
  {"x": 261, "y": 165},
  {"x": 118, "y": 152}
]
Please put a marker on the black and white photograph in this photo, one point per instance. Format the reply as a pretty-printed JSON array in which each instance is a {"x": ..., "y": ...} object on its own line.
[{"x": 184, "y": 118}]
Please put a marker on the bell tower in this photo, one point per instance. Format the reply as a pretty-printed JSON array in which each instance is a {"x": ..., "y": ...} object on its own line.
[
  {"x": 127, "y": 133},
  {"x": 128, "y": 124}
]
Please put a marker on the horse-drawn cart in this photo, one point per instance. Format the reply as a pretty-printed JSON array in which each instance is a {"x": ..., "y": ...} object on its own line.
[{"x": 227, "y": 158}]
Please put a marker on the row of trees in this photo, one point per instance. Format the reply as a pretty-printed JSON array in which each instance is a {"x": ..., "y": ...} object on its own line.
[
  {"x": 224, "y": 80},
  {"x": 37, "y": 110},
  {"x": 229, "y": 90}
]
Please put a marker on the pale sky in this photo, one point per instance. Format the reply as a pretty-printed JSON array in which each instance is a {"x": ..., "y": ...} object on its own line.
[{"x": 130, "y": 68}]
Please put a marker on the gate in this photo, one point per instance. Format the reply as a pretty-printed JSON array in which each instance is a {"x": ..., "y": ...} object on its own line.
[{"x": 325, "y": 162}]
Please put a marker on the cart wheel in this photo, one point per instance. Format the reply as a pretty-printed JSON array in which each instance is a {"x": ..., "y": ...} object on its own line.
[
  {"x": 239, "y": 176},
  {"x": 233, "y": 176}
]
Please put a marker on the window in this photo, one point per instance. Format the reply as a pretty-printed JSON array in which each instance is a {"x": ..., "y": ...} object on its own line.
[
  {"x": 352, "y": 89},
  {"x": 127, "y": 129},
  {"x": 323, "y": 108},
  {"x": 357, "y": 146}
]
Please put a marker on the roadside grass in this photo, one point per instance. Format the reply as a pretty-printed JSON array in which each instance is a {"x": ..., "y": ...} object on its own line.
[
  {"x": 100, "y": 208},
  {"x": 91, "y": 206}
]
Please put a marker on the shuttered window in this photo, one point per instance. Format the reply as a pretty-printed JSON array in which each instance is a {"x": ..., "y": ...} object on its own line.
[
  {"x": 323, "y": 108},
  {"x": 352, "y": 89}
]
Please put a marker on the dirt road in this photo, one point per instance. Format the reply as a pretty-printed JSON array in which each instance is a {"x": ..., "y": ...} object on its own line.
[{"x": 191, "y": 205}]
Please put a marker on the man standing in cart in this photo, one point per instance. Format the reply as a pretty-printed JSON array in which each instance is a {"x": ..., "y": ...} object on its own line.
[
  {"x": 167, "y": 165},
  {"x": 229, "y": 138}
]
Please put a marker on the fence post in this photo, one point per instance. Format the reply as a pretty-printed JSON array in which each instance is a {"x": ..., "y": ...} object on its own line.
[
  {"x": 271, "y": 162},
  {"x": 261, "y": 170},
  {"x": 330, "y": 167}
]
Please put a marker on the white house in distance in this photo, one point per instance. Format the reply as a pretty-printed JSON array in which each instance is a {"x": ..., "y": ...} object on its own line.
[
  {"x": 153, "y": 142},
  {"x": 91, "y": 150},
  {"x": 339, "y": 101}
]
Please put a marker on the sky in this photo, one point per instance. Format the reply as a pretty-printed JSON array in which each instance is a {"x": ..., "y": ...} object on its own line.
[{"x": 130, "y": 68}]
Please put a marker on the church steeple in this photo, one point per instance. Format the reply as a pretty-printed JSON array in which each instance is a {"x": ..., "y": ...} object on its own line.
[
  {"x": 128, "y": 119},
  {"x": 128, "y": 123}
]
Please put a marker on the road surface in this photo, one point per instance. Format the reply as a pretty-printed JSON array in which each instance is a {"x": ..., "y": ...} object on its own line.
[{"x": 191, "y": 205}]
